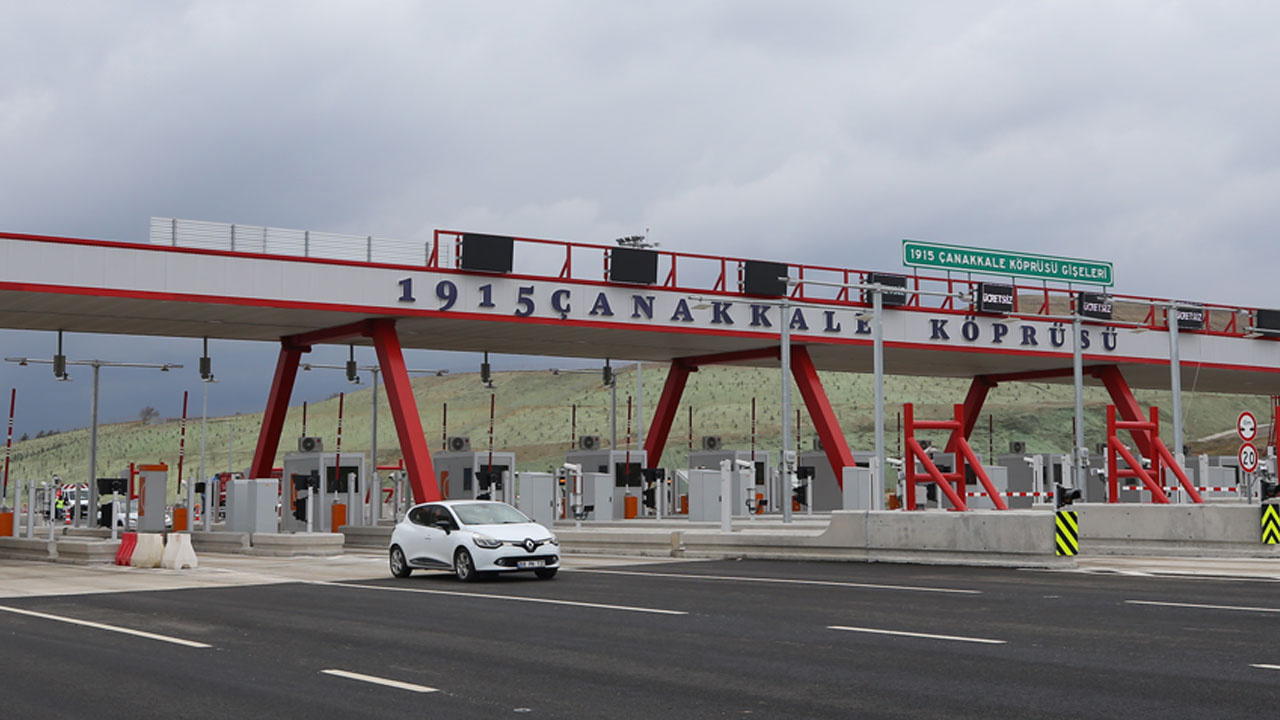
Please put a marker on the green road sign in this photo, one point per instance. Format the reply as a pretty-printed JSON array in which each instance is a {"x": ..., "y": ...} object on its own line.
[{"x": 916, "y": 253}]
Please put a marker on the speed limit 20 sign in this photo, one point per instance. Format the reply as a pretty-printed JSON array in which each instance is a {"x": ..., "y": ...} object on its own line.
[{"x": 1248, "y": 457}]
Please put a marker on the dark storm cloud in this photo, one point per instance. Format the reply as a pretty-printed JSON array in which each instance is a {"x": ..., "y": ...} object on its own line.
[{"x": 820, "y": 132}]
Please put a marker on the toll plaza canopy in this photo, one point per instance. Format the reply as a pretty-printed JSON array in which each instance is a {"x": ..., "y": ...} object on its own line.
[
  {"x": 475, "y": 292},
  {"x": 566, "y": 299}
]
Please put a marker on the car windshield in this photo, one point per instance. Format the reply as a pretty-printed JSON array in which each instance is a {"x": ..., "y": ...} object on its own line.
[{"x": 489, "y": 513}]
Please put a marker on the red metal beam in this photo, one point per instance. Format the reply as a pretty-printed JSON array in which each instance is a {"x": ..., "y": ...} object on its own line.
[
  {"x": 404, "y": 410},
  {"x": 727, "y": 358},
  {"x": 304, "y": 341},
  {"x": 665, "y": 414},
  {"x": 1126, "y": 404},
  {"x": 824, "y": 418},
  {"x": 277, "y": 407}
]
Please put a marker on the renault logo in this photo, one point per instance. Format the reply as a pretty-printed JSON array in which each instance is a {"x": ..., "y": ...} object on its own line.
[{"x": 530, "y": 545}]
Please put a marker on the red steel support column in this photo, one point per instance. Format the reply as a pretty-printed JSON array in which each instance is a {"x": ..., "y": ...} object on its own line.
[
  {"x": 404, "y": 411},
  {"x": 1126, "y": 404},
  {"x": 973, "y": 402},
  {"x": 264, "y": 455},
  {"x": 665, "y": 414},
  {"x": 824, "y": 418}
]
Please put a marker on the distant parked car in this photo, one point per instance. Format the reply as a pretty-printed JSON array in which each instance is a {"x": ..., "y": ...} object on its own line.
[{"x": 472, "y": 538}]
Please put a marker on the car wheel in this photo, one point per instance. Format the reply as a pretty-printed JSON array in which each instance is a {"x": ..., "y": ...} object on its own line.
[
  {"x": 399, "y": 566},
  {"x": 545, "y": 573},
  {"x": 464, "y": 567}
]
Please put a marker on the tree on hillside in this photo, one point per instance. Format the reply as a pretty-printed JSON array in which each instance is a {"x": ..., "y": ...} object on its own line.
[{"x": 147, "y": 414}]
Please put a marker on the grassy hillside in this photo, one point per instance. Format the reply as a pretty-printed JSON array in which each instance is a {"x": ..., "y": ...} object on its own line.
[{"x": 533, "y": 419}]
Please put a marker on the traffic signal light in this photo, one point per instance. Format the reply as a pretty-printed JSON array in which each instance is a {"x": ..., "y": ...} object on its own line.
[
  {"x": 60, "y": 366},
  {"x": 607, "y": 374},
  {"x": 1064, "y": 496},
  {"x": 353, "y": 375}
]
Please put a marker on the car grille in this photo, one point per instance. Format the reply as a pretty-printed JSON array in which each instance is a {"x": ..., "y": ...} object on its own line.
[{"x": 511, "y": 561}]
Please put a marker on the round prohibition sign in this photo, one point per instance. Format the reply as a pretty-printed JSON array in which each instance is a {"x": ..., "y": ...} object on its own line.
[
  {"x": 1247, "y": 426},
  {"x": 1248, "y": 457}
]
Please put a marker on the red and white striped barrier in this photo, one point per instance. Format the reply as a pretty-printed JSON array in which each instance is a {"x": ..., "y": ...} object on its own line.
[{"x": 1011, "y": 494}]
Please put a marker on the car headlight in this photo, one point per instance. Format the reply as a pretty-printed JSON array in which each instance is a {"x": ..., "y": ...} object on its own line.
[
  {"x": 485, "y": 541},
  {"x": 554, "y": 540}
]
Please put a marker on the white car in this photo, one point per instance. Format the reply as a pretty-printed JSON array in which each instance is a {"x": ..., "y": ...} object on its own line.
[{"x": 472, "y": 537}]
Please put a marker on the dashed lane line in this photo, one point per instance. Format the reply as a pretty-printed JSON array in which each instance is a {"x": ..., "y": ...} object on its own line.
[
  {"x": 929, "y": 636},
  {"x": 1203, "y": 607},
  {"x": 787, "y": 581},
  {"x": 513, "y": 598},
  {"x": 379, "y": 681},
  {"x": 104, "y": 626}
]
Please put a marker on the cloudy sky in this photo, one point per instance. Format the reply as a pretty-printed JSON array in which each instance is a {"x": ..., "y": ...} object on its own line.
[{"x": 1143, "y": 133}]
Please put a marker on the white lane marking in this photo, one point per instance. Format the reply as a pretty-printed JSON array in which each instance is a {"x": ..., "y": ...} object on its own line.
[
  {"x": 380, "y": 681},
  {"x": 516, "y": 598},
  {"x": 1203, "y": 607},
  {"x": 112, "y": 628},
  {"x": 786, "y": 581},
  {"x": 1262, "y": 666},
  {"x": 904, "y": 633}
]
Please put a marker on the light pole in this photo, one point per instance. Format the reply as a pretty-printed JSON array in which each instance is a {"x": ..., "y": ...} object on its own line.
[
  {"x": 877, "y": 359},
  {"x": 60, "y": 364}
]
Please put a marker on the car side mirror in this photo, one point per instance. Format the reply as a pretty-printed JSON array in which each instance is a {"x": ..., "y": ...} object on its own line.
[{"x": 444, "y": 525}]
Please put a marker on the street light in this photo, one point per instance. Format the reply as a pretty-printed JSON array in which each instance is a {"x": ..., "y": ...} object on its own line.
[{"x": 97, "y": 365}]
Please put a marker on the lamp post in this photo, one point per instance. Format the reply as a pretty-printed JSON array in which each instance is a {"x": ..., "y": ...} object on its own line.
[{"x": 60, "y": 364}]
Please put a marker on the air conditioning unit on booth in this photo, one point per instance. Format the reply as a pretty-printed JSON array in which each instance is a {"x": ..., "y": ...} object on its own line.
[
  {"x": 589, "y": 442},
  {"x": 1017, "y": 447},
  {"x": 310, "y": 444},
  {"x": 817, "y": 443},
  {"x": 459, "y": 443},
  {"x": 712, "y": 442}
]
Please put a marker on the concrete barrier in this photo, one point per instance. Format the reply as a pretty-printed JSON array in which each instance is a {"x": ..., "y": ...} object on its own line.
[
  {"x": 12, "y": 548},
  {"x": 986, "y": 538},
  {"x": 1172, "y": 530},
  {"x": 220, "y": 542},
  {"x": 358, "y": 536},
  {"x": 295, "y": 544},
  {"x": 81, "y": 551}
]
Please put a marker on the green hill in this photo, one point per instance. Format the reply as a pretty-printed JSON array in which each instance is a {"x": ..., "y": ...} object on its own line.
[{"x": 533, "y": 413}]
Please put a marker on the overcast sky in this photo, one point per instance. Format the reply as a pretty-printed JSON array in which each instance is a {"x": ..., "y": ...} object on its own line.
[{"x": 1143, "y": 133}]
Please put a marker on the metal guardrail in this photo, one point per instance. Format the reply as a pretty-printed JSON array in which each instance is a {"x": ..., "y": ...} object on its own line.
[
  {"x": 680, "y": 271},
  {"x": 261, "y": 240}
]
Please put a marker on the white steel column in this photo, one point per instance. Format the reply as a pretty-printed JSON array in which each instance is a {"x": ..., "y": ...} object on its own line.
[{"x": 784, "y": 478}]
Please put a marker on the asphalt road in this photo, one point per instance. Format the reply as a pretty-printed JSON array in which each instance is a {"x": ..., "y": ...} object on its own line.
[{"x": 679, "y": 640}]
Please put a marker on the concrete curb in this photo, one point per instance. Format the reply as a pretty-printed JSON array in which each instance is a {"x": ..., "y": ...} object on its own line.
[
  {"x": 87, "y": 551},
  {"x": 296, "y": 544}
]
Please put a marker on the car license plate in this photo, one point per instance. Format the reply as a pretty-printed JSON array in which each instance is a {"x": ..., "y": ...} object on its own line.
[{"x": 527, "y": 564}]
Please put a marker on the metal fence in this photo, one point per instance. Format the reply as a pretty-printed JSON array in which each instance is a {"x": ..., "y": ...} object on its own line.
[{"x": 286, "y": 242}]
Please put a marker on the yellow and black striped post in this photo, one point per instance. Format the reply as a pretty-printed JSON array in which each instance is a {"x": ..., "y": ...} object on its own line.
[
  {"x": 1271, "y": 524},
  {"x": 1067, "y": 532}
]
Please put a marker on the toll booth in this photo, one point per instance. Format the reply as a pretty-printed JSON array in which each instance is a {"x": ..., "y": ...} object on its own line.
[
  {"x": 818, "y": 480},
  {"x": 622, "y": 465},
  {"x": 536, "y": 496},
  {"x": 705, "y": 497},
  {"x": 710, "y": 460},
  {"x": 153, "y": 494},
  {"x": 251, "y": 505},
  {"x": 334, "y": 488},
  {"x": 598, "y": 494},
  {"x": 1021, "y": 478},
  {"x": 473, "y": 475}
]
